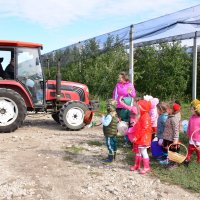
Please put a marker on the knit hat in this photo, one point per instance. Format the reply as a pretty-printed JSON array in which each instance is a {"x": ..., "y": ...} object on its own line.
[
  {"x": 195, "y": 102},
  {"x": 112, "y": 102},
  {"x": 147, "y": 97},
  {"x": 154, "y": 102},
  {"x": 111, "y": 105},
  {"x": 176, "y": 107},
  {"x": 197, "y": 109},
  {"x": 196, "y": 105}
]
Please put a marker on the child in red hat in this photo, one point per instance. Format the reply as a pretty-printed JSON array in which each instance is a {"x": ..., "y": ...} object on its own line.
[{"x": 171, "y": 131}]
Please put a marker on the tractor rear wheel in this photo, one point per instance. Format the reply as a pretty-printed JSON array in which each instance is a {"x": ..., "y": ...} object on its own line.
[
  {"x": 72, "y": 114},
  {"x": 12, "y": 110}
]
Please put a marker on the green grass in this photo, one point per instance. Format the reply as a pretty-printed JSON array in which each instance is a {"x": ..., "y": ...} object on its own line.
[
  {"x": 186, "y": 177},
  {"x": 102, "y": 106},
  {"x": 95, "y": 143},
  {"x": 72, "y": 152},
  {"x": 74, "y": 149},
  {"x": 67, "y": 158},
  {"x": 185, "y": 111}
]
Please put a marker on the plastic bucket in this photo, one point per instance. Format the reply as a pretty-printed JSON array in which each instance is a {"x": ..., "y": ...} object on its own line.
[
  {"x": 122, "y": 127},
  {"x": 88, "y": 116},
  {"x": 185, "y": 125},
  {"x": 156, "y": 150}
]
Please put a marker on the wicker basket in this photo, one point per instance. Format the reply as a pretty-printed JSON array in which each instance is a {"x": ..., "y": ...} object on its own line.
[
  {"x": 197, "y": 147},
  {"x": 177, "y": 157}
]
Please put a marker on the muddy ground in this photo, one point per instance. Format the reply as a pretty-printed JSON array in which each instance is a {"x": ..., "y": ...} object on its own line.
[{"x": 42, "y": 161}]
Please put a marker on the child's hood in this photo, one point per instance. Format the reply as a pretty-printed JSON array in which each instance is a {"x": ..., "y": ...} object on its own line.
[
  {"x": 154, "y": 102},
  {"x": 144, "y": 106}
]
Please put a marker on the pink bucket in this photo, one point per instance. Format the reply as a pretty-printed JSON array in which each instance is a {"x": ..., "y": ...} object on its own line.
[{"x": 130, "y": 133}]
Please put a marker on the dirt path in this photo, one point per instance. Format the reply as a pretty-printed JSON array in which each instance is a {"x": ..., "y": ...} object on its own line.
[{"x": 42, "y": 161}]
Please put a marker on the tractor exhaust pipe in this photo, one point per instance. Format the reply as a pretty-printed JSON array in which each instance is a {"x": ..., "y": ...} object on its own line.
[{"x": 58, "y": 82}]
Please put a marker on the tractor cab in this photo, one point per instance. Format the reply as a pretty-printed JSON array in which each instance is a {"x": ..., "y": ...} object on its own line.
[{"x": 20, "y": 62}]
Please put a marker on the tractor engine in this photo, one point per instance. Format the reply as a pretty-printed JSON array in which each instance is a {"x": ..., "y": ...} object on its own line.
[{"x": 69, "y": 91}]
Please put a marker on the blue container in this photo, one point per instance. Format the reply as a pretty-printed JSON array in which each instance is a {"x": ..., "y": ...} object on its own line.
[
  {"x": 128, "y": 100},
  {"x": 156, "y": 150},
  {"x": 185, "y": 127}
]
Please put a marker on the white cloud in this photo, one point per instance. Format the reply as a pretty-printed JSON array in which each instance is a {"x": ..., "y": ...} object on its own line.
[{"x": 55, "y": 13}]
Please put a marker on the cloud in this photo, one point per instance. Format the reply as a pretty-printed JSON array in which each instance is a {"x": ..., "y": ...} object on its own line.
[{"x": 54, "y": 13}]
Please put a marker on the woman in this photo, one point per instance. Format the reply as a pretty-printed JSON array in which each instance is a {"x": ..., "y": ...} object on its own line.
[{"x": 123, "y": 88}]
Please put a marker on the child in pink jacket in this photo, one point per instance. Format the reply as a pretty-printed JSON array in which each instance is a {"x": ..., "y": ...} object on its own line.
[
  {"x": 153, "y": 113},
  {"x": 194, "y": 125},
  {"x": 134, "y": 116}
]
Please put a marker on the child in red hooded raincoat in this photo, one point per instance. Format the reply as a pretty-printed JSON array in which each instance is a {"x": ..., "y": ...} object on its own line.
[{"x": 142, "y": 137}]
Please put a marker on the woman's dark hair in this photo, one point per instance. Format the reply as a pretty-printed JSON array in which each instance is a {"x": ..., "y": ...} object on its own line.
[{"x": 124, "y": 75}]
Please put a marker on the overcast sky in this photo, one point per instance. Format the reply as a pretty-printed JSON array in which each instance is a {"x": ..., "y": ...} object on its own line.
[{"x": 56, "y": 23}]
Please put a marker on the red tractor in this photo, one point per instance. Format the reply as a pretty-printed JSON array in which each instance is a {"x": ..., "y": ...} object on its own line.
[{"x": 23, "y": 88}]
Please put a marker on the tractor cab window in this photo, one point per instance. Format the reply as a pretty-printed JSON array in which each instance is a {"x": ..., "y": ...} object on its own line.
[
  {"x": 7, "y": 63},
  {"x": 29, "y": 72}
]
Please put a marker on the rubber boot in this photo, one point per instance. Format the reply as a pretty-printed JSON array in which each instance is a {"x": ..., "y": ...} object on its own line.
[
  {"x": 114, "y": 156},
  {"x": 198, "y": 156},
  {"x": 109, "y": 160},
  {"x": 146, "y": 168},
  {"x": 137, "y": 163},
  {"x": 191, "y": 148},
  {"x": 186, "y": 163}
]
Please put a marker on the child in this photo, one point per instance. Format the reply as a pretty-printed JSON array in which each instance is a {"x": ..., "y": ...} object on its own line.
[
  {"x": 109, "y": 122},
  {"x": 171, "y": 133},
  {"x": 134, "y": 116},
  {"x": 142, "y": 137},
  {"x": 163, "y": 115},
  {"x": 194, "y": 124},
  {"x": 177, "y": 109},
  {"x": 153, "y": 113}
]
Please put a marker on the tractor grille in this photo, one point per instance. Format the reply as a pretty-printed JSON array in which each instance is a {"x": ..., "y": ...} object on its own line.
[{"x": 78, "y": 90}]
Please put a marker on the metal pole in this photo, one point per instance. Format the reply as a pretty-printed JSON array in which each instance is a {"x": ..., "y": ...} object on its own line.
[
  {"x": 131, "y": 55},
  {"x": 48, "y": 67},
  {"x": 58, "y": 81},
  {"x": 194, "y": 69}
]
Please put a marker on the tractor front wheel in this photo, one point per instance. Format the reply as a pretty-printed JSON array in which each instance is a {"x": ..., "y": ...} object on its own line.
[
  {"x": 72, "y": 114},
  {"x": 55, "y": 116},
  {"x": 12, "y": 110}
]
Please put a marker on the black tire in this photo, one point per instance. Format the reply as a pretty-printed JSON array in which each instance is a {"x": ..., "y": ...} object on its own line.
[
  {"x": 72, "y": 114},
  {"x": 55, "y": 116},
  {"x": 12, "y": 110}
]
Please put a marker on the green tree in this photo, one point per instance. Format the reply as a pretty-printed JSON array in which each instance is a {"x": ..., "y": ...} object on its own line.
[{"x": 163, "y": 70}]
